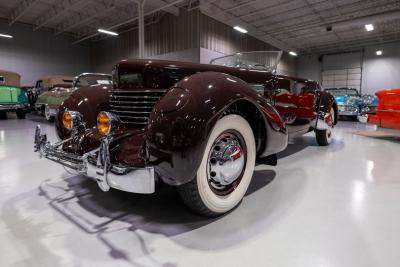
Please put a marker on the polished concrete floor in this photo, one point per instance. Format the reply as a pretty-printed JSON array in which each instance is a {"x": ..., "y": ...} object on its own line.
[{"x": 320, "y": 207}]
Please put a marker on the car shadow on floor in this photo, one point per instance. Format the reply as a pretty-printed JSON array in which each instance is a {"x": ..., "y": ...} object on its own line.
[
  {"x": 98, "y": 213},
  {"x": 164, "y": 207}
]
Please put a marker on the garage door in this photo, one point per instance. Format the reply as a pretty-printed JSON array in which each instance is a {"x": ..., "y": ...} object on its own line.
[
  {"x": 342, "y": 70},
  {"x": 342, "y": 78}
]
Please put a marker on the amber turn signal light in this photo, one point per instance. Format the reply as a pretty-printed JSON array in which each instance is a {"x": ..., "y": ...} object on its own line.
[
  {"x": 67, "y": 120},
  {"x": 104, "y": 123}
]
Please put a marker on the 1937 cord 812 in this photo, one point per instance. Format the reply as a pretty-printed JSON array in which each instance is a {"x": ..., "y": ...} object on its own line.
[{"x": 196, "y": 126}]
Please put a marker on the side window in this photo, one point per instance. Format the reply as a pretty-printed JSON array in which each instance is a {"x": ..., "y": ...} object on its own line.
[{"x": 298, "y": 88}]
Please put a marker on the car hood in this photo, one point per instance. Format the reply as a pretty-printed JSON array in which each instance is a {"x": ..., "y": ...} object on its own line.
[{"x": 348, "y": 100}]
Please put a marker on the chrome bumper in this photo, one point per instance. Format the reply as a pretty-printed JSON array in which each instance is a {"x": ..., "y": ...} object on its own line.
[
  {"x": 348, "y": 111},
  {"x": 96, "y": 165},
  {"x": 11, "y": 107}
]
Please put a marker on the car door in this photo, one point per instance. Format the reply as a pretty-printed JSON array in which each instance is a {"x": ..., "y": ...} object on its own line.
[
  {"x": 284, "y": 100},
  {"x": 295, "y": 102}
]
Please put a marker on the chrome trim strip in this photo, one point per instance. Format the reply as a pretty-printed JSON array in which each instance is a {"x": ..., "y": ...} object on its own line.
[{"x": 388, "y": 110}]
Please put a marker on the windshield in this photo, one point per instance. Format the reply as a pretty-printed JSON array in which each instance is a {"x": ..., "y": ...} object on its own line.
[
  {"x": 342, "y": 91},
  {"x": 256, "y": 60},
  {"x": 93, "y": 79}
]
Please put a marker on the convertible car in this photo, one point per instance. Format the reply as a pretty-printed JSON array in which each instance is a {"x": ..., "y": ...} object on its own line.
[
  {"x": 349, "y": 101},
  {"x": 370, "y": 102},
  {"x": 49, "y": 101},
  {"x": 388, "y": 109},
  {"x": 200, "y": 127},
  {"x": 12, "y": 97}
]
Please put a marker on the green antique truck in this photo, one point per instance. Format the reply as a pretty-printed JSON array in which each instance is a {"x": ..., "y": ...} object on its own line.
[{"x": 12, "y": 97}]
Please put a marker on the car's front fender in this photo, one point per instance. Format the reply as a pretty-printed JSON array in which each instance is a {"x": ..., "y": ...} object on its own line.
[{"x": 176, "y": 138}]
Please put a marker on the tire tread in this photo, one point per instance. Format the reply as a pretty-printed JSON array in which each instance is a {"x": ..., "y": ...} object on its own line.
[
  {"x": 320, "y": 135},
  {"x": 191, "y": 198}
]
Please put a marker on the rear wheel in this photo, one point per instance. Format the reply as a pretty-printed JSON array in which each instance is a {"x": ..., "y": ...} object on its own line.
[
  {"x": 226, "y": 169},
  {"x": 21, "y": 114},
  {"x": 3, "y": 115},
  {"x": 324, "y": 137}
]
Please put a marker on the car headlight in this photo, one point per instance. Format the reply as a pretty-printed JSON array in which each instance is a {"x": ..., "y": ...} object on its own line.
[
  {"x": 106, "y": 122},
  {"x": 71, "y": 119},
  {"x": 67, "y": 120}
]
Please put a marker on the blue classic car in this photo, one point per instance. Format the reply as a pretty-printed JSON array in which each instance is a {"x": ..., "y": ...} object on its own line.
[
  {"x": 370, "y": 102},
  {"x": 349, "y": 101}
]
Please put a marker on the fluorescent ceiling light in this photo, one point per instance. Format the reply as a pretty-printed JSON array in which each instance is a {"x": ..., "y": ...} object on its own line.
[
  {"x": 293, "y": 53},
  {"x": 107, "y": 32},
  {"x": 379, "y": 53},
  {"x": 369, "y": 27},
  {"x": 240, "y": 29},
  {"x": 6, "y": 35}
]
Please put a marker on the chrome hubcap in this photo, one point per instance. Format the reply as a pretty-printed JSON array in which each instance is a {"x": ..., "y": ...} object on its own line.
[{"x": 226, "y": 162}]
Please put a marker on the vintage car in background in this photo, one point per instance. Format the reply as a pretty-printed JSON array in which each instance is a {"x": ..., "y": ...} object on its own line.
[
  {"x": 349, "y": 101},
  {"x": 200, "y": 127},
  {"x": 12, "y": 97},
  {"x": 46, "y": 83},
  {"x": 370, "y": 102},
  {"x": 29, "y": 90},
  {"x": 48, "y": 102},
  {"x": 388, "y": 109}
]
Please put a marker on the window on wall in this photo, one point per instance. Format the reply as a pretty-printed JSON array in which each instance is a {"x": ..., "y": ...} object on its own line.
[
  {"x": 2, "y": 80},
  {"x": 350, "y": 78}
]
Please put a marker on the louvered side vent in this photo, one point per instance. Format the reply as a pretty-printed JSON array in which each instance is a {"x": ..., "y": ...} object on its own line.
[{"x": 133, "y": 107}]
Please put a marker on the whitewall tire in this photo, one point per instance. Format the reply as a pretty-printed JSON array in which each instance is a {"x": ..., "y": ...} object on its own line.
[
  {"x": 324, "y": 137},
  {"x": 47, "y": 114},
  {"x": 226, "y": 168}
]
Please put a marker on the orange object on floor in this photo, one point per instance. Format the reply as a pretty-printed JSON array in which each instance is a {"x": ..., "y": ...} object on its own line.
[{"x": 388, "y": 109}]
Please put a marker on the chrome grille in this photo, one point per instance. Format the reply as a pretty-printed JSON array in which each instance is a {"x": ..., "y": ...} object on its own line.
[{"x": 133, "y": 107}]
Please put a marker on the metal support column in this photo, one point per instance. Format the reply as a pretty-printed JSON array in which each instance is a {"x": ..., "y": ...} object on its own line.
[{"x": 141, "y": 26}]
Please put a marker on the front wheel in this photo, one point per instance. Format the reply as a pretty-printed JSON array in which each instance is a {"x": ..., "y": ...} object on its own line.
[
  {"x": 3, "y": 115},
  {"x": 225, "y": 171},
  {"x": 47, "y": 114},
  {"x": 21, "y": 114},
  {"x": 324, "y": 137}
]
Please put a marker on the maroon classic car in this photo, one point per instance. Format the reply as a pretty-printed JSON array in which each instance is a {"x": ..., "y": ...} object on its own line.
[{"x": 195, "y": 126}]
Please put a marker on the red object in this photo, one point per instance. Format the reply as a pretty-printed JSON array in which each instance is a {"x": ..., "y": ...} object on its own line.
[{"x": 388, "y": 109}]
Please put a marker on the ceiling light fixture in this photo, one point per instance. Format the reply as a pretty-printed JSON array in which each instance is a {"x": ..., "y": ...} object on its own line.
[
  {"x": 379, "y": 53},
  {"x": 108, "y": 32},
  {"x": 369, "y": 27},
  {"x": 240, "y": 29},
  {"x": 6, "y": 35},
  {"x": 293, "y": 53}
]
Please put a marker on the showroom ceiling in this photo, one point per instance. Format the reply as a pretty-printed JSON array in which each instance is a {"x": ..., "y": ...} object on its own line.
[{"x": 297, "y": 25}]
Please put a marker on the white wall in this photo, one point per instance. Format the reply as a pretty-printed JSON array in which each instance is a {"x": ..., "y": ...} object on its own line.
[
  {"x": 35, "y": 54},
  {"x": 308, "y": 66},
  {"x": 379, "y": 72}
]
